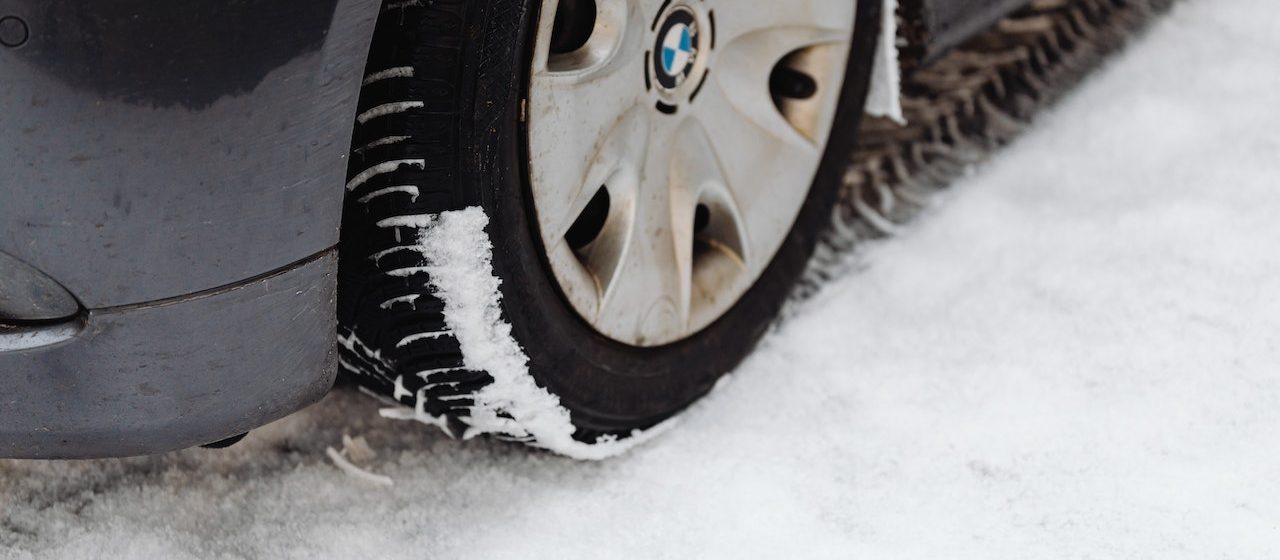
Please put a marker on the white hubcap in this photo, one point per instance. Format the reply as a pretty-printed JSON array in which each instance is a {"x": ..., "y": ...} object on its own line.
[{"x": 672, "y": 149}]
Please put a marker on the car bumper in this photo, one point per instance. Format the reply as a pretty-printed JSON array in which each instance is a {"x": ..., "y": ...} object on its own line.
[
  {"x": 177, "y": 169},
  {"x": 171, "y": 374}
]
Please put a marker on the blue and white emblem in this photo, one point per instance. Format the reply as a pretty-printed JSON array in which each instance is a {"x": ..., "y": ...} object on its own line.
[
  {"x": 676, "y": 53},
  {"x": 677, "y": 50}
]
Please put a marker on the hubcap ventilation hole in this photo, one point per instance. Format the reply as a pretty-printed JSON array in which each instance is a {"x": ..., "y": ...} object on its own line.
[
  {"x": 795, "y": 89},
  {"x": 574, "y": 24},
  {"x": 590, "y": 222}
]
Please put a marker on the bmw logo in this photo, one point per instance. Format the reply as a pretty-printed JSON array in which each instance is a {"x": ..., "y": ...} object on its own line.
[{"x": 676, "y": 53}]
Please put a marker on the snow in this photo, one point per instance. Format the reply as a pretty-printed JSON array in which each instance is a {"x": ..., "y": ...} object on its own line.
[
  {"x": 884, "y": 98},
  {"x": 388, "y": 109},
  {"x": 382, "y": 169},
  {"x": 1073, "y": 355},
  {"x": 458, "y": 256}
]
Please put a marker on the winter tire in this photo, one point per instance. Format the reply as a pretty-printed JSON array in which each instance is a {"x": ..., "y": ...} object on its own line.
[{"x": 651, "y": 175}]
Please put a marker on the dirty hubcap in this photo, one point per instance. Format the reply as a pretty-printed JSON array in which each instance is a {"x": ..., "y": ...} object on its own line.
[{"x": 672, "y": 145}]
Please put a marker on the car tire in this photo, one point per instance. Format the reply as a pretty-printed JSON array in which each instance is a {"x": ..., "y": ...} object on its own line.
[{"x": 444, "y": 126}]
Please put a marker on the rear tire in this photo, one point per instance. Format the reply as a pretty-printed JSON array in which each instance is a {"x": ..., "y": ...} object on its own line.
[{"x": 441, "y": 127}]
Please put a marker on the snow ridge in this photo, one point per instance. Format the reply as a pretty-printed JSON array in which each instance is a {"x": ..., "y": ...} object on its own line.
[
  {"x": 458, "y": 257},
  {"x": 885, "y": 96}
]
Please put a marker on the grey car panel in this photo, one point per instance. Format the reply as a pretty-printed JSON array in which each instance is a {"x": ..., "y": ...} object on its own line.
[
  {"x": 153, "y": 149},
  {"x": 171, "y": 180},
  {"x": 173, "y": 374}
]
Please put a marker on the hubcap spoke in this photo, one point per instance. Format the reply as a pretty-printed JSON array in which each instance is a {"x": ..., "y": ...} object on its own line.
[
  {"x": 716, "y": 253},
  {"x": 648, "y": 297},
  {"x": 767, "y": 166},
  {"x": 736, "y": 19},
  {"x": 615, "y": 165},
  {"x": 590, "y": 116}
]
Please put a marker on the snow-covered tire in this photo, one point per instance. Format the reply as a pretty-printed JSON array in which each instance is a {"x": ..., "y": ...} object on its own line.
[{"x": 441, "y": 149}]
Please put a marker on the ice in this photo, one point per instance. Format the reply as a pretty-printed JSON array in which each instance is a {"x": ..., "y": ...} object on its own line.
[{"x": 1076, "y": 354}]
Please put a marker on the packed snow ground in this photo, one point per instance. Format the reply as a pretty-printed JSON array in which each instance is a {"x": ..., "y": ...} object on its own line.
[{"x": 1076, "y": 354}]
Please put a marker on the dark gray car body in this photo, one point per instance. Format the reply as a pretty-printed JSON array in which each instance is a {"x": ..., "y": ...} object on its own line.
[
  {"x": 171, "y": 182},
  {"x": 177, "y": 167}
]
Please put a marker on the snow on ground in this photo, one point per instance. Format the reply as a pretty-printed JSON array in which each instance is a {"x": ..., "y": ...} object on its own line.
[{"x": 1077, "y": 354}]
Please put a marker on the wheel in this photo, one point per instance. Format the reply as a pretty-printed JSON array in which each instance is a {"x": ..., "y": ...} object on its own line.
[{"x": 566, "y": 220}]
